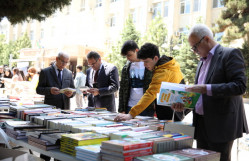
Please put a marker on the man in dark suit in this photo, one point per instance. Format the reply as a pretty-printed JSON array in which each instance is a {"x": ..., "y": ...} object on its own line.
[
  {"x": 219, "y": 116},
  {"x": 103, "y": 81},
  {"x": 54, "y": 78}
]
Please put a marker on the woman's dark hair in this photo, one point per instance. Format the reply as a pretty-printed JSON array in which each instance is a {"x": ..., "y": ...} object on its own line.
[
  {"x": 148, "y": 50},
  {"x": 10, "y": 73}
]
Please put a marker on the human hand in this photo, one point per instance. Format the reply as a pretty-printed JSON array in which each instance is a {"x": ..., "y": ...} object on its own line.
[
  {"x": 123, "y": 117},
  {"x": 178, "y": 107},
  {"x": 94, "y": 91},
  {"x": 55, "y": 91},
  {"x": 200, "y": 88},
  {"x": 68, "y": 93}
]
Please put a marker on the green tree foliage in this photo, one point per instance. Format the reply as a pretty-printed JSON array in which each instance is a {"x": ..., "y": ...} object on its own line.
[
  {"x": 13, "y": 47},
  {"x": 129, "y": 33},
  {"x": 18, "y": 11},
  {"x": 234, "y": 22},
  {"x": 245, "y": 51},
  {"x": 188, "y": 60},
  {"x": 157, "y": 34}
]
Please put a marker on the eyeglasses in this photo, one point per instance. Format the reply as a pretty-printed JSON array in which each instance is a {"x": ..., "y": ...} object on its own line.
[
  {"x": 194, "y": 48},
  {"x": 63, "y": 62},
  {"x": 90, "y": 65}
]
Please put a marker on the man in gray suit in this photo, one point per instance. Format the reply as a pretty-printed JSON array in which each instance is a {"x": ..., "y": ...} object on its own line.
[
  {"x": 54, "y": 78},
  {"x": 102, "y": 79},
  {"x": 219, "y": 116}
]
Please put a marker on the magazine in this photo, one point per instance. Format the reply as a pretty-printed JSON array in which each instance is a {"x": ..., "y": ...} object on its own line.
[
  {"x": 67, "y": 89},
  {"x": 172, "y": 92}
]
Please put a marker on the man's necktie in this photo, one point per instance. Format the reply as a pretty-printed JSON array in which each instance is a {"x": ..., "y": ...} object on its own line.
[
  {"x": 96, "y": 76},
  {"x": 59, "y": 76}
]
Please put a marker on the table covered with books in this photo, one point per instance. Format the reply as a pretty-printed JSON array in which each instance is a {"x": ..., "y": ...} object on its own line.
[{"x": 93, "y": 135}]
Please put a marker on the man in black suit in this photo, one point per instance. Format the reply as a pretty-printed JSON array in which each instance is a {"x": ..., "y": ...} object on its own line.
[
  {"x": 219, "y": 116},
  {"x": 54, "y": 78},
  {"x": 102, "y": 79}
]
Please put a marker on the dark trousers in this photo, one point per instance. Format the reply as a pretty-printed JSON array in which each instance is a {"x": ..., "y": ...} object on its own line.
[{"x": 203, "y": 142}]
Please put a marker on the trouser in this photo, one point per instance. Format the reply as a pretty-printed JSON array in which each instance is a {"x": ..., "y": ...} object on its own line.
[
  {"x": 79, "y": 100},
  {"x": 203, "y": 142}
]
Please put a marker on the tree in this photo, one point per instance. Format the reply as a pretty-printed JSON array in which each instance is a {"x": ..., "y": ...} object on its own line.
[
  {"x": 13, "y": 47},
  {"x": 129, "y": 33},
  {"x": 18, "y": 11},
  {"x": 187, "y": 60},
  {"x": 234, "y": 22},
  {"x": 157, "y": 34}
]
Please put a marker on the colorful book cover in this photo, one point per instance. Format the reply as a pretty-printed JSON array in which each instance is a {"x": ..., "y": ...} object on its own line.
[
  {"x": 172, "y": 92},
  {"x": 164, "y": 157}
]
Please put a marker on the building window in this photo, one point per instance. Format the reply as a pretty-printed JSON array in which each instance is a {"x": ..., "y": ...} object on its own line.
[
  {"x": 98, "y": 3},
  {"x": 31, "y": 35},
  {"x": 112, "y": 21},
  {"x": 218, "y": 3},
  {"x": 82, "y": 5},
  {"x": 197, "y": 5},
  {"x": 166, "y": 9},
  {"x": 157, "y": 9},
  {"x": 114, "y": 0},
  {"x": 42, "y": 33},
  {"x": 133, "y": 16},
  {"x": 185, "y": 6}
]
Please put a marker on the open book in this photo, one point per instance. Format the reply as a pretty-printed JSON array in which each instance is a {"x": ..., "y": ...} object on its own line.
[
  {"x": 172, "y": 93},
  {"x": 67, "y": 89}
]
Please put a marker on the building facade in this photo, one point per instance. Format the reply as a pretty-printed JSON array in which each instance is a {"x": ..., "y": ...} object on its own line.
[{"x": 96, "y": 24}]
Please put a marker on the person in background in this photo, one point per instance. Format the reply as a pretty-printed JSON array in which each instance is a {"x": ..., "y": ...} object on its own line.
[
  {"x": 135, "y": 80},
  {"x": 22, "y": 74},
  {"x": 16, "y": 75},
  {"x": 1, "y": 76},
  {"x": 102, "y": 79},
  {"x": 165, "y": 69},
  {"x": 54, "y": 78},
  {"x": 219, "y": 115},
  {"x": 8, "y": 73},
  {"x": 79, "y": 81},
  {"x": 33, "y": 77}
]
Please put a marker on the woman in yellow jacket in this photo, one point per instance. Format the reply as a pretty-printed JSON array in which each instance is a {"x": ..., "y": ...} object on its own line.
[{"x": 165, "y": 69}]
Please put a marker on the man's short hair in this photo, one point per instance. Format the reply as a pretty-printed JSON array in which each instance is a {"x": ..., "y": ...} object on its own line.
[
  {"x": 79, "y": 67},
  {"x": 201, "y": 30},
  {"x": 129, "y": 45},
  {"x": 93, "y": 55},
  {"x": 148, "y": 50}
]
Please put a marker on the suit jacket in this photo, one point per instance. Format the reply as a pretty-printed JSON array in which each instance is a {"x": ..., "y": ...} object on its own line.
[
  {"x": 107, "y": 83},
  {"x": 224, "y": 114},
  {"x": 48, "y": 79}
]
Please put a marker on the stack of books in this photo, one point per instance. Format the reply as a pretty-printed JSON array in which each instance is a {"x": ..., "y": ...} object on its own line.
[
  {"x": 4, "y": 105},
  {"x": 70, "y": 141},
  {"x": 88, "y": 152},
  {"x": 42, "y": 144},
  {"x": 126, "y": 149},
  {"x": 163, "y": 157},
  {"x": 198, "y": 154}
]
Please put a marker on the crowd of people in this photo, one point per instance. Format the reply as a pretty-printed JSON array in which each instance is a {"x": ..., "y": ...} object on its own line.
[{"x": 219, "y": 116}]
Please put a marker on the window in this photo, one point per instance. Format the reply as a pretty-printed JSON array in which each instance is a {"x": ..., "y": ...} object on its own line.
[
  {"x": 42, "y": 33},
  {"x": 218, "y": 3},
  {"x": 31, "y": 35},
  {"x": 98, "y": 3},
  {"x": 185, "y": 6},
  {"x": 133, "y": 16},
  {"x": 166, "y": 9},
  {"x": 197, "y": 5},
  {"x": 157, "y": 9},
  {"x": 114, "y": 0},
  {"x": 112, "y": 21},
  {"x": 82, "y": 5}
]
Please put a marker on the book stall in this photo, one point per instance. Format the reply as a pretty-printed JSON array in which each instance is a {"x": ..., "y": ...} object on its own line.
[{"x": 94, "y": 136}]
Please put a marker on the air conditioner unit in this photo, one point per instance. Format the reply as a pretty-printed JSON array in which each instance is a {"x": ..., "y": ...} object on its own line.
[
  {"x": 177, "y": 34},
  {"x": 151, "y": 10}
]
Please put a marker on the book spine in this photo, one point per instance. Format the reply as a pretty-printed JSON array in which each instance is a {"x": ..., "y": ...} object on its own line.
[
  {"x": 137, "y": 152},
  {"x": 137, "y": 146}
]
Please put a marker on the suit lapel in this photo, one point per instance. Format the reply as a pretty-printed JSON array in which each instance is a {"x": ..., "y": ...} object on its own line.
[
  {"x": 213, "y": 63},
  {"x": 101, "y": 72},
  {"x": 64, "y": 75},
  {"x": 198, "y": 71},
  {"x": 54, "y": 75}
]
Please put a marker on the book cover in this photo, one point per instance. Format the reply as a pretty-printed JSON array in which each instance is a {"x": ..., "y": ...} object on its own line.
[
  {"x": 67, "y": 89},
  {"x": 164, "y": 157},
  {"x": 127, "y": 152},
  {"x": 172, "y": 92}
]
